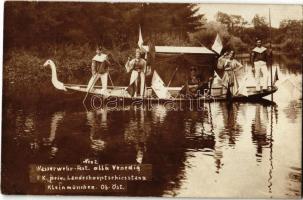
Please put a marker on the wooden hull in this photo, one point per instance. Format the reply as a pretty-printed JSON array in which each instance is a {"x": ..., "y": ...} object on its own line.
[{"x": 119, "y": 93}]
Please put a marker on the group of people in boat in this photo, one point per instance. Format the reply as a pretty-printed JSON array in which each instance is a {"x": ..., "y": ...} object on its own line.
[
  {"x": 137, "y": 68},
  {"x": 260, "y": 57}
]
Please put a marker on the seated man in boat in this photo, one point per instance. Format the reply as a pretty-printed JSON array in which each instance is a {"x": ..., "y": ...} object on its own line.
[
  {"x": 193, "y": 84},
  {"x": 137, "y": 67},
  {"x": 230, "y": 66},
  {"x": 259, "y": 60},
  {"x": 99, "y": 70}
]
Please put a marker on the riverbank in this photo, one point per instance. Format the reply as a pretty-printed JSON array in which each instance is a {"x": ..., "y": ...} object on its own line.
[{"x": 25, "y": 75}]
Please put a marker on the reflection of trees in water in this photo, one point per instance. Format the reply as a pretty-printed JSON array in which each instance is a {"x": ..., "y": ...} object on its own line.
[
  {"x": 26, "y": 128},
  {"x": 292, "y": 64},
  {"x": 159, "y": 137},
  {"x": 19, "y": 144},
  {"x": 28, "y": 142},
  {"x": 158, "y": 143},
  {"x": 293, "y": 110},
  {"x": 36, "y": 135},
  {"x": 294, "y": 182},
  {"x": 166, "y": 152}
]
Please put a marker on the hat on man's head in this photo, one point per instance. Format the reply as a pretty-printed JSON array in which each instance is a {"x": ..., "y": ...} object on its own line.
[
  {"x": 138, "y": 50},
  {"x": 258, "y": 39}
]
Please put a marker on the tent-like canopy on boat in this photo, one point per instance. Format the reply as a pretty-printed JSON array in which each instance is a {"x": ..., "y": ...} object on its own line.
[
  {"x": 166, "y": 59},
  {"x": 180, "y": 50}
]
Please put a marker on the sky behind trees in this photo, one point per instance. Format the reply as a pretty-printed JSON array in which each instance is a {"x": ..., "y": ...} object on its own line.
[{"x": 248, "y": 11}]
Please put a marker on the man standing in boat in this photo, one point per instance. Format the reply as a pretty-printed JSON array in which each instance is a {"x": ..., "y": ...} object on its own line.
[
  {"x": 99, "y": 70},
  {"x": 259, "y": 60},
  {"x": 137, "y": 67}
]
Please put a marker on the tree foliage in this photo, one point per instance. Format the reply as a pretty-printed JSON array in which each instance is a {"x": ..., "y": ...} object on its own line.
[
  {"x": 108, "y": 24},
  {"x": 234, "y": 23}
]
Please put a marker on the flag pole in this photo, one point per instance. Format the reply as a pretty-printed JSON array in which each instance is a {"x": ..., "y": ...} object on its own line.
[{"x": 271, "y": 54}]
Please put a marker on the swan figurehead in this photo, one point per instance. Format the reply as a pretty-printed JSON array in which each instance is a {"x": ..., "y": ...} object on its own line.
[{"x": 57, "y": 84}]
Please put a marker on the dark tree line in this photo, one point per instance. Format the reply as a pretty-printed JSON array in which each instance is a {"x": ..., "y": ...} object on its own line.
[
  {"x": 110, "y": 24},
  {"x": 68, "y": 32}
]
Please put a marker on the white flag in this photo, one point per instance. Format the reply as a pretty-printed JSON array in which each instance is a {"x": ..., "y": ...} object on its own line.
[
  {"x": 217, "y": 45},
  {"x": 140, "y": 41},
  {"x": 243, "y": 86},
  {"x": 158, "y": 87}
]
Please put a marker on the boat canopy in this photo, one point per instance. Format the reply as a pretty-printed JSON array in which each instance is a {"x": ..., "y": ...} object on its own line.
[
  {"x": 180, "y": 50},
  {"x": 166, "y": 59}
]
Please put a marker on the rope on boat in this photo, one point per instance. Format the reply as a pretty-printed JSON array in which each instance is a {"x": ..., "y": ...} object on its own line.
[{"x": 110, "y": 79}]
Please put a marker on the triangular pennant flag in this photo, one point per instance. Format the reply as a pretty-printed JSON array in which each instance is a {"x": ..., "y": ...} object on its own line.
[
  {"x": 217, "y": 46},
  {"x": 217, "y": 80},
  {"x": 131, "y": 89},
  {"x": 276, "y": 78},
  {"x": 140, "y": 41},
  {"x": 243, "y": 87},
  {"x": 158, "y": 87}
]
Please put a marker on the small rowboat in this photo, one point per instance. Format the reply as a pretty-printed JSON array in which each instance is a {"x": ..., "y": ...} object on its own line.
[{"x": 203, "y": 58}]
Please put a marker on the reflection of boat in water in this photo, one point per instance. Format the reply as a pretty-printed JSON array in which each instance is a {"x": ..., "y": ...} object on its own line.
[
  {"x": 203, "y": 58},
  {"x": 199, "y": 133},
  {"x": 50, "y": 141}
]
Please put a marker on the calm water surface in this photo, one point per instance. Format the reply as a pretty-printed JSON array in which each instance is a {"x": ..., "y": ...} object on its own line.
[{"x": 239, "y": 150}]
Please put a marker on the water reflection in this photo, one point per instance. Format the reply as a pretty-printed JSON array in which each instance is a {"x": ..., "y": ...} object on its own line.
[
  {"x": 250, "y": 149},
  {"x": 199, "y": 133},
  {"x": 188, "y": 149},
  {"x": 50, "y": 140},
  {"x": 259, "y": 130},
  {"x": 137, "y": 132},
  {"x": 232, "y": 127},
  {"x": 97, "y": 121}
]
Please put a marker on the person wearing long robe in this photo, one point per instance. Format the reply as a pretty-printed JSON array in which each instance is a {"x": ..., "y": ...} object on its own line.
[
  {"x": 259, "y": 59},
  {"x": 229, "y": 80},
  {"x": 99, "y": 71},
  {"x": 137, "y": 67}
]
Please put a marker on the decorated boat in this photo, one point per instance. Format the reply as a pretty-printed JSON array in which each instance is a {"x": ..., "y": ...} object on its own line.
[{"x": 173, "y": 63}]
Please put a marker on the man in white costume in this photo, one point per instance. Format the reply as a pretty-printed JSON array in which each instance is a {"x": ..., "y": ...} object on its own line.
[
  {"x": 259, "y": 60},
  {"x": 99, "y": 70},
  {"x": 137, "y": 67}
]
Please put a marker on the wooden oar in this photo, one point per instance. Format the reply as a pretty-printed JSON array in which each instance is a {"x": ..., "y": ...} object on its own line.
[
  {"x": 89, "y": 89},
  {"x": 94, "y": 82},
  {"x": 110, "y": 79}
]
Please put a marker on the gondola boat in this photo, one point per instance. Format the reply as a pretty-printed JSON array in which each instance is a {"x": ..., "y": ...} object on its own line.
[{"x": 201, "y": 57}]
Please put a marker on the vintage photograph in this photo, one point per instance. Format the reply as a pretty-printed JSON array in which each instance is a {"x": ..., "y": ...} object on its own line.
[{"x": 152, "y": 99}]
